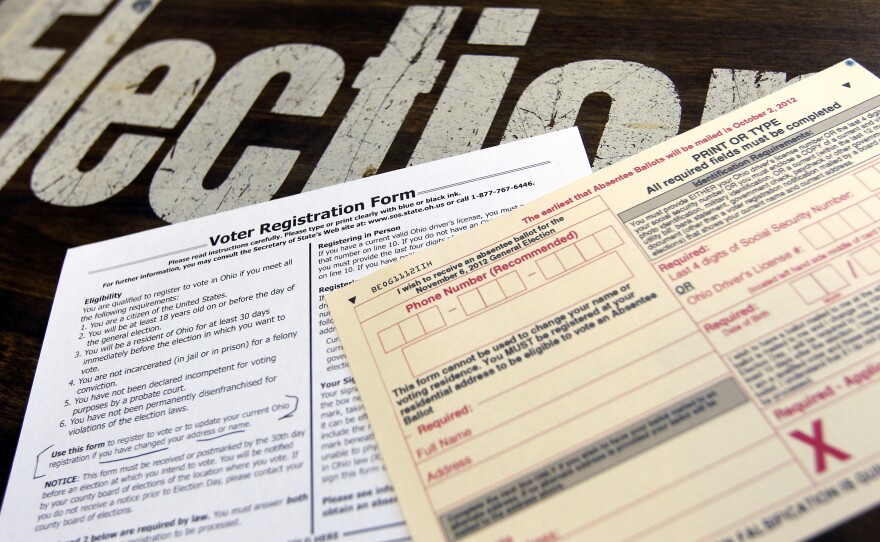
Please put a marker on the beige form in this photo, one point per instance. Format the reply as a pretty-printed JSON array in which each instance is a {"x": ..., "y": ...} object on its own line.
[{"x": 679, "y": 347}]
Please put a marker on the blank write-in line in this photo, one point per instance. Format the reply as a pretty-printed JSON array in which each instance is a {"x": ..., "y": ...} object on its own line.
[
  {"x": 376, "y": 528},
  {"x": 146, "y": 259},
  {"x": 444, "y": 187}
]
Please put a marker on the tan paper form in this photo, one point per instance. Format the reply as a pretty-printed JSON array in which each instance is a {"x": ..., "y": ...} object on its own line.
[{"x": 682, "y": 346}]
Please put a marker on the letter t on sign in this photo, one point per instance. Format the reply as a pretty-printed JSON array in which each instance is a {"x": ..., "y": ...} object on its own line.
[{"x": 388, "y": 87}]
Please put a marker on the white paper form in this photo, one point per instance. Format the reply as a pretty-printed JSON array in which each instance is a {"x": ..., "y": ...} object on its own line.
[
  {"x": 191, "y": 382},
  {"x": 682, "y": 346}
]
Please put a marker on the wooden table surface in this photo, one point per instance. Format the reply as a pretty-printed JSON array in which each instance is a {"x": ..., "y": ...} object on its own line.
[{"x": 641, "y": 70}]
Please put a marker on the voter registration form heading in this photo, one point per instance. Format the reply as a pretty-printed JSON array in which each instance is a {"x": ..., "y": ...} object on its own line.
[{"x": 682, "y": 346}]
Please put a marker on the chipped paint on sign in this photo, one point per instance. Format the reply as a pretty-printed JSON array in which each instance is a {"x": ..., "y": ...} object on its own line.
[
  {"x": 732, "y": 89},
  {"x": 388, "y": 86},
  {"x": 645, "y": 107},
  {"x": 57, "y": 178},
  {"x": 62, "y": 91},
  {"x": 504, "y": 26},
  {"x": 466, "y": 108}
]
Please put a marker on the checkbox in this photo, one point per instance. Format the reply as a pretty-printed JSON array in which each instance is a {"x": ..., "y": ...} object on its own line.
[
  {"x": 589, "y": 247},
  {"x": 817, "y": 235},
  {"x": 550, "y": 266},
  {"x": 872, "y": 207},
  {"x": 869, "y": 177},
  {"x": 412, "y": 328},
  {"x": 837, "y": 227},
  {"x": 431, "y": 319},
  {"x": 856, "y": 217},
  {"x": 491, "y": 293},
  {"x": 511, "y": 284},
  {"x": 391, "y": 338},
  {"x": 570, "y": 257},
  {"x": 471, "y": 302},
  {"x": 830, "y": 279},
  {"x": 608, "y": 239},
  {"x": 868, "y": 259},
  {"x": 808, "y": 289}
]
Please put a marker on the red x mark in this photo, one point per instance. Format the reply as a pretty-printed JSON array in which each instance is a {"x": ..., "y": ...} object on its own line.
[{"x": 820, "y": 446}]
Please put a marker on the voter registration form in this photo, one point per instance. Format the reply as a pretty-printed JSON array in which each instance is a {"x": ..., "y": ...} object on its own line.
[
  {"x": 191, "y": 383},
  {"x": 682, "y": 346}
]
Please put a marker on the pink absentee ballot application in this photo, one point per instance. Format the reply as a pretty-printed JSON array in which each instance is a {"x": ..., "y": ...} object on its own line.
[{"x": 682, "y": 346}]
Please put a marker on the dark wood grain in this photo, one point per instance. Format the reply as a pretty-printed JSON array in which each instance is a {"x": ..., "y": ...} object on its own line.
[{"x": 683, "y": 40}]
